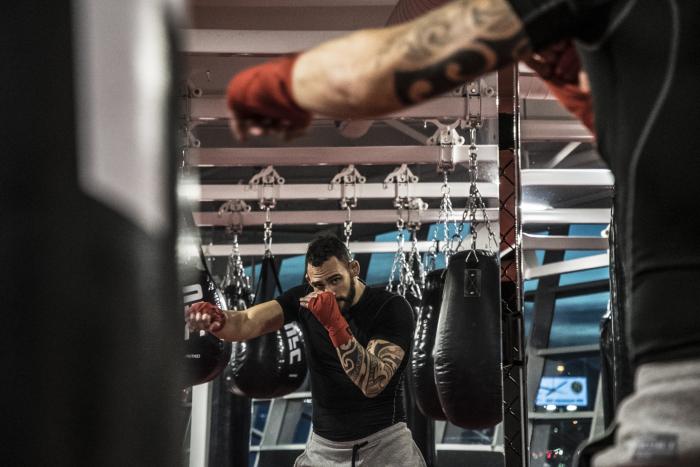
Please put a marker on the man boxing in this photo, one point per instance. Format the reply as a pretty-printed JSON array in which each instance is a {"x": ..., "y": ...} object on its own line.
[
  {"x": 641, "y": 59},
  {"x": 358, "y": 340}
]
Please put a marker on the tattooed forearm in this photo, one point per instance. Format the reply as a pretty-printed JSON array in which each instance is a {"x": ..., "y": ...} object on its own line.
[
  {"x": 377, "y": 71},
  {"x": 372, "y": 368},
  {"x": 454, "y": 44}
]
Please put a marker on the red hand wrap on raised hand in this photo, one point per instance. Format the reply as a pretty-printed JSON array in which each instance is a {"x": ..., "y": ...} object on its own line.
[
  {"x": 217, "y": 318},
  {"x": 559, "y": 66},
  {"x": 325, "y": 309},
  {"x": 263, "y": 94}
]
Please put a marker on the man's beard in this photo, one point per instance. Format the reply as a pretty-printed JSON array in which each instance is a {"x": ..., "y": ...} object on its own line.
[{"x": 346, "y": 302}]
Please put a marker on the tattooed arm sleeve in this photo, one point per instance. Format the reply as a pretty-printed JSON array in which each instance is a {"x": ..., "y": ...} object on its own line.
[
  {"x": 374, "y": 72},
  {"x": 372, "y": 368}
]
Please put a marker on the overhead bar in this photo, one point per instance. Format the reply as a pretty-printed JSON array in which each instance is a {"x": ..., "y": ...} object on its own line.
[
  {"x": 214, "y": 108},
  {"x": 567, "y": 216},
  {"x": 567, "y": 177},
  {"x": 300, "y": 248},
  {"x": 554, "y": 130},
  {"x": 563, "y": 267},
  {"x": 324, "y": 191},
  {"x": 253, "y": 42},
  {"x": 562, "y": 242},
  {"x": 358, "y": 155},
  {"x": 359, "y": 216}
]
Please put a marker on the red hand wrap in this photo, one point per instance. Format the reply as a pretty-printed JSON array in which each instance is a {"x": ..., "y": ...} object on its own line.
[
  {"x": 325, "y": 309},
  {"x": 559, "y": 66},
  {"x": 217, "y": 318},
  {"x": 263, "y": 93}
]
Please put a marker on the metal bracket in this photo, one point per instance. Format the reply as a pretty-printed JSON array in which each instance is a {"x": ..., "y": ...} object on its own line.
[
  {"x": 401, "y": 177},
  {"x": 234, "y": 208},
  {"x": 268, "y": 182},
  {"x": 473, "y": 111},
  {"x": 348, "y": 178},
  {"x": 413, "y": 207},
  {"x": 447, "y": 137}
]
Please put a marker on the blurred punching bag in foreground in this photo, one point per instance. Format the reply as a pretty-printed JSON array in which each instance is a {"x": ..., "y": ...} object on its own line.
[{"x": 87, "y": 251}]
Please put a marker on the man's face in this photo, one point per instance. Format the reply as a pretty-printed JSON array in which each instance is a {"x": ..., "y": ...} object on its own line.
[{"x": 335, "y": 276}]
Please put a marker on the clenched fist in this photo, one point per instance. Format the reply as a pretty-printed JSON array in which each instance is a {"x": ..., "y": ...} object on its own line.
[{"x": 203, "y": 316}]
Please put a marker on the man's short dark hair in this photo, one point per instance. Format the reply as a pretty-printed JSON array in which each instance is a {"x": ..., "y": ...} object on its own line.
[{"x": 324, "y": 247}]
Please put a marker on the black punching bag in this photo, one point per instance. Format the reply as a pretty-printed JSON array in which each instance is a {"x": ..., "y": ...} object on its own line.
[
  {"x": 206, "y": 355},
  {"x": 422, "y": 428},
  {"x": 422, "y": 372},
  {"x": 467, "y": 351},
  {"x": 87, "y": 244},
  {"x": 274, "y": 364}
]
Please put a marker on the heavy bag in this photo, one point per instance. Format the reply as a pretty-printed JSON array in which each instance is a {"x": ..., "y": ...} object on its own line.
[
  {"x": 422, "y": 372},
  {"x": 274, "y": 364},
  {"x": 206, "y": 355},
  {"x": 87, "y": 247},
  {"x": 467, "y": 351},
  {"x": 422, "y": 428}
]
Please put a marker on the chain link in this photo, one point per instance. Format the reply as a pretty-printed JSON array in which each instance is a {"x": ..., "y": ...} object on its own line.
[
  {"x": 347, "y": 227},
  {"x": 475, "y": 203},
  {"x": 267, "y": 233},
  {"x": 237, "y": 279}
]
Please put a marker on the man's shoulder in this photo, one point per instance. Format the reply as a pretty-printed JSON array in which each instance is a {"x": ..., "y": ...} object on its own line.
[{"x": 381, "y": 298}]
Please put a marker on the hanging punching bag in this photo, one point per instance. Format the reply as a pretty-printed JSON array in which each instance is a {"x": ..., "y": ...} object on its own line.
[
  {"x": 206, "y": 355},
  {"x": 422, "y": 428},
  {"x": 423, "y": 387},
  {"x": 467, "y": 351},
  {"x": 229, "y": 429},
  {"x": 273, "y": 364}
]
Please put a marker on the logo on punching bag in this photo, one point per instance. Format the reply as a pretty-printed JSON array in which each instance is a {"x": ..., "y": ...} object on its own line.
[{"x": 293, "y": 341}]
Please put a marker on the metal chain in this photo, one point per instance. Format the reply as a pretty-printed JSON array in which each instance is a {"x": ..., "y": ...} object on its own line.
[
  {"x": 398, "y": 260},
  {"x": 236, "y": 277},
  {"x": 415, "y": 272},
  {"x": 267, "y": 233},
  {"x": 347, "y": 226},
  {"x": 474, "y": 203}
]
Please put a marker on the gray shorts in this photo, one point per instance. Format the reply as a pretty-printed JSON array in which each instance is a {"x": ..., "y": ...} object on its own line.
[{"x": 392, "y": 446}]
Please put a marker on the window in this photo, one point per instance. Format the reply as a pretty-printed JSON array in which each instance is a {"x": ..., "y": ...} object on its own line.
[
  {"x": 457, "y": 435},
  {"x": 296, "y": 423},
  {"x": 292, "y": 271},
  {"x": 577, "y": 319}
]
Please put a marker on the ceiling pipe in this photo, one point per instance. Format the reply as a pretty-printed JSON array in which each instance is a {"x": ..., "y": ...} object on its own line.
[{"x": 405, "y": 10}]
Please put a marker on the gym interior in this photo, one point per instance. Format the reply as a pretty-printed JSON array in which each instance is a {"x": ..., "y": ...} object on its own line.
[{"x": 162, "y": 196}]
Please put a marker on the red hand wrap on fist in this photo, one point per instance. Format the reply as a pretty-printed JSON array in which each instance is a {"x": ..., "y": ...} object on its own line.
[
  {"x": 325, "y": 309},
  {"x": 262, "y": 95},
  {"x": 560, "y": 67},
  {"x": 211, "y": 317}
]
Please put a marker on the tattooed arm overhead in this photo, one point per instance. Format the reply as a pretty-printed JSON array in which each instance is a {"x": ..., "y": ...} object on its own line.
[{"x": 373, "y": 72}]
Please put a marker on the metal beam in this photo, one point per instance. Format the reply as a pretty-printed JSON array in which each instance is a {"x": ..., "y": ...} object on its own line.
[
  {"x": 253, "y": 42},
  {"x": 324, "y": 191},
  {"x": 563, "y": 242},
  {"x": 563, "y": 154},
  {"x": 563, "y": 267},
  {"x": 214, "y": 108},
  {"x": 567, "y": 177},
  {"x": 367, "y": 216},
  {"x": 554, "y": 130},
  {"x": 285, "y": 249},
  {"x": 567, "y": 216},
  {"x": 341, "y": 155}
]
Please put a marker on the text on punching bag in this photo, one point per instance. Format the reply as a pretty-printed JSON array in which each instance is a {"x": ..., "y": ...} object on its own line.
[{"x": 293, "y": 341}]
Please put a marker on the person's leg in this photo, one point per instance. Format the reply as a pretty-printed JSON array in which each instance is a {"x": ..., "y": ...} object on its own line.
[
  {"x": 393, "y": 448},
  {"x": 658, "y": 425}
]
